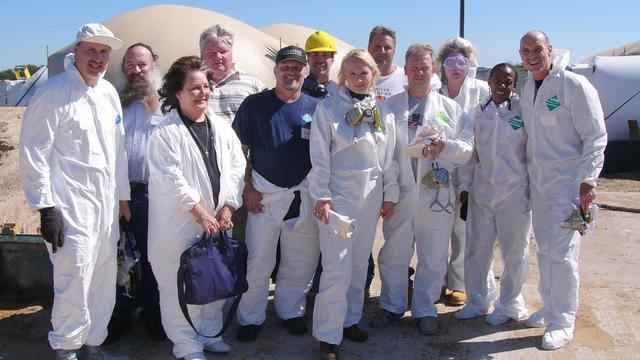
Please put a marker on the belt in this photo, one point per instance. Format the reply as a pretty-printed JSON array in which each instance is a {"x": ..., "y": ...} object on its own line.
[{"x": 138, "y": 187}]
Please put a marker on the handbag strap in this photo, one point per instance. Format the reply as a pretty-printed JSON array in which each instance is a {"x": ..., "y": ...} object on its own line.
[{"x": 185, "y": 310}]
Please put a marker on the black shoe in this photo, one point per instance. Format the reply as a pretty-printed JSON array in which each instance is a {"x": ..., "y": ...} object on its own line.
[
  {"x": 296, "y": 326},
  {"x": 155, "y": 329},
  {"x": 117, "y": 327},
  {"x": 248, "y": 333},
  {"x": 329, "y": 351},
  {"x": 354, "y": 333}
]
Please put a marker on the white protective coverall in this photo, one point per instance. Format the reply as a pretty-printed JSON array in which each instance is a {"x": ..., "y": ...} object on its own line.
[
  {"x": 431, "y": 223},
  {"x": 178, "y": 180},
  {"x": 298, "y": 246},
  {"x": 472, "y": 93},
  {"x": 566, "y": 137},
  {"x": 72, "y": 157},
  {"x": 353, "y": 167},
  {"x": 498, "y": 185}
]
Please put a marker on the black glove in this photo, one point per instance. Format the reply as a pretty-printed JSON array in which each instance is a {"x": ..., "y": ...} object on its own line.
[
  {"x": 51, "y": 227},
  {"x": 464, "y": 205}
]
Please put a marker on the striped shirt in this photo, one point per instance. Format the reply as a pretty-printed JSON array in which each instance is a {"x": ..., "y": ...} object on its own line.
[{"x": 228, "y": 94}]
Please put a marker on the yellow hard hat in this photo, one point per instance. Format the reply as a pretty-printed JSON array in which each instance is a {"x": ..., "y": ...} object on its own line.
[{"x": 320, "y": 41}]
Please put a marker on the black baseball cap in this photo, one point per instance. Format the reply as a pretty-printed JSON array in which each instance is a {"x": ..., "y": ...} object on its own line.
[{"x": 291, "y": 52}]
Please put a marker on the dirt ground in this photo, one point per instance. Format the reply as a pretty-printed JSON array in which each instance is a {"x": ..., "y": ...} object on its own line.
[{"x": 607, "y": 321}]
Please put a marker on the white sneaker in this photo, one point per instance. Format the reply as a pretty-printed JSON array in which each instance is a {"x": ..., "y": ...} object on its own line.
[
  {"x": 66, "y": 354},
  {"x": 217, "y": 347},
  {"x": 537, "y": 320},
  {"x": 195, "y": 356},
  {"x": 556, "y": 338},
  {"x": 496, "y": 318},
  {"x": 500, "y": 316},
  {"x": 469, "y": 312}
]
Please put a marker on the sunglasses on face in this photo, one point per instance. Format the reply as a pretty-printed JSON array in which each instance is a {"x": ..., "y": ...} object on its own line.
[{"x": 459, "y": 62}]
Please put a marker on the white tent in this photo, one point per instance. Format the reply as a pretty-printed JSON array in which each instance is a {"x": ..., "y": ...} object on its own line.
[
  {"x": 617, "y": 79},
  {"x": 18, "y": 92},
  {"x": 624, "y": 50}
]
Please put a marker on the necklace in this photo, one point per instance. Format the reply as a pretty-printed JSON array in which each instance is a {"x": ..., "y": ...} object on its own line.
[{"x": 203, "y": 147}]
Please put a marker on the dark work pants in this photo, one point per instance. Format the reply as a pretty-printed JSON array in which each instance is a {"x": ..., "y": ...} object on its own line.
[{"x": 147, "y": 296}]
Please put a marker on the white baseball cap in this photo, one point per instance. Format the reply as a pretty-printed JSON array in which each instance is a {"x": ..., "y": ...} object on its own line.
[{"x": 98, "y": 33}]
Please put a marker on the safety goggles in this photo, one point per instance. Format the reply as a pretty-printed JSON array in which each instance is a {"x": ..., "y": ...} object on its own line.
[{"x": 460, "y": 62}]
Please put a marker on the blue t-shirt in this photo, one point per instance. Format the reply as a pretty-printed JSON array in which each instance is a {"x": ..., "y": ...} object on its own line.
[{"x": 278, "y": 135}]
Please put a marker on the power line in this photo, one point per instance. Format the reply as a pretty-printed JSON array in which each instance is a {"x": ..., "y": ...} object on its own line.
[{"x": 40, "y": 28}]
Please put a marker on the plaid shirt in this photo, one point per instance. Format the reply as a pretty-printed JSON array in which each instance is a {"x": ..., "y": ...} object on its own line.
[{"x": 228, "y": 94}]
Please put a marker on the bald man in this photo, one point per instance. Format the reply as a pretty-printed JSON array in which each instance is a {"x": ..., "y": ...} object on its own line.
[{"x": 566, "y": 137}]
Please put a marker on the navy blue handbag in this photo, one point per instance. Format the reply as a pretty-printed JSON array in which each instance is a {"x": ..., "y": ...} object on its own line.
[{"x": 212, "y": 269}]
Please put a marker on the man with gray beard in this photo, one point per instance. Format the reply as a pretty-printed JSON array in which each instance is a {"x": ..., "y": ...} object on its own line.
[
  {"x": 273, "y": 126},
  {"x": 141, "y": 113}
]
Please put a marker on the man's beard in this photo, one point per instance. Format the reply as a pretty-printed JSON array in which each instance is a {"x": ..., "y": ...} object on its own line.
[
  {"x": 292, "y": 85},
  {"x": 136, "y": 90}
]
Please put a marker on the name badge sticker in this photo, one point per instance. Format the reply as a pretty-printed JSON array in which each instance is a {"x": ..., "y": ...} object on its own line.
[{"x": 305, "y": 133}]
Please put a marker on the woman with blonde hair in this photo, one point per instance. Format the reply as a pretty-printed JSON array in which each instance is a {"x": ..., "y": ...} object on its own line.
[{"x": 353, "y": 178}]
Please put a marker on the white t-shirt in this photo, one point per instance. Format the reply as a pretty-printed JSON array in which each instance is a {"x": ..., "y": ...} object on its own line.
[{"x": 391, "y": 84}]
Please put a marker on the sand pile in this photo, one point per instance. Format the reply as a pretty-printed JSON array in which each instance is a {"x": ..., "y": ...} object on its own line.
[{"x": 14, "y": 208}]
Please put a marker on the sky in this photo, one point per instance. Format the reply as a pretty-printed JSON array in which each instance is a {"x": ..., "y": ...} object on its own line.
[{"x": 494, "y": 27}]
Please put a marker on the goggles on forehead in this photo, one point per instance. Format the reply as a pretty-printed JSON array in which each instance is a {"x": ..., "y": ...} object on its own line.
[{"x": 458, "y": 61}]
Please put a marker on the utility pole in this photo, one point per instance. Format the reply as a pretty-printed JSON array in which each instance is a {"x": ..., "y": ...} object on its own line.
[{"x": 462, "y": 18}]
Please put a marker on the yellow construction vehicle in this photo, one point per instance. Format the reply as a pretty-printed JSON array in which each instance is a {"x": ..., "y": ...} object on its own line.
[{"x": 21, "y": 72}]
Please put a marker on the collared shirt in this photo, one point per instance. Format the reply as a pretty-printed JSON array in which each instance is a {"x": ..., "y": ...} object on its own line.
[
  {"x": 228, "y": 94},
  {"x": 138, "y": 125}
]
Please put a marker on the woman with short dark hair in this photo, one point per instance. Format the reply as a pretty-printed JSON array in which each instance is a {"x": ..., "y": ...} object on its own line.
[{"x": 196, "y": 179}]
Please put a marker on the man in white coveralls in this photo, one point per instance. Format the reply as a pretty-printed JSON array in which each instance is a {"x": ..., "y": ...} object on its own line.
[
  {"x": 423, "y": 213},
  {"x": 566, "y": 137},
  {"x": 73, "y": 169}
]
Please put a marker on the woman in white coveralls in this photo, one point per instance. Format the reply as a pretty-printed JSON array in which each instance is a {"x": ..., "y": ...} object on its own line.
[
  {"x": 498, "y": 184},
  {"x": 196, "y": 177},
  {"x": 353, "y": 175},
  {"x": 458, "y": 65}
]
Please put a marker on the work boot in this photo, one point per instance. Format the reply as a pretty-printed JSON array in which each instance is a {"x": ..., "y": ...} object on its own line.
[
  {"x": 428, "y": 325},
  {"x": 248, "y": 333},
  {"x": 155, "y": 331},
  {"x": 296, "y": 326},
  {"x": 354, "y": 333},
  {"x": 383, "y": 318},
  {"x": 66, "y": 354},
  {"x": 329, "y": 351},
  {"x": 457, "y": 298}
]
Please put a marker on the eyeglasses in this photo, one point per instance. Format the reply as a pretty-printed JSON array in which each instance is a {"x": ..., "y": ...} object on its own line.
[{"x": 460, "y": 62}]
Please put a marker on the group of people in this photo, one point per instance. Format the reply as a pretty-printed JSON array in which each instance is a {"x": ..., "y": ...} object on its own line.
[{"x": 303, "y": 172}]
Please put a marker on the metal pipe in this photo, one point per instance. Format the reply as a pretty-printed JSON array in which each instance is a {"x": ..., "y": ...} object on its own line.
[{"x": 461, "y": 18}]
